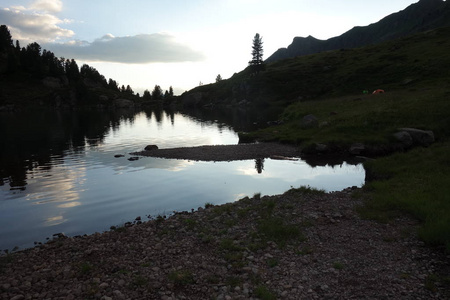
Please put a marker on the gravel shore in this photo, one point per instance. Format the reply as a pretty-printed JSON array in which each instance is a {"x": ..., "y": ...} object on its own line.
[
  {"x": 226, "y": 152},
  {"x": 303, "y": 244}
]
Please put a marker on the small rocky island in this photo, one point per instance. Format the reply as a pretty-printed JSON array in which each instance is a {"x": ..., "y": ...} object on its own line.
[{"x": 224, "y": 152}]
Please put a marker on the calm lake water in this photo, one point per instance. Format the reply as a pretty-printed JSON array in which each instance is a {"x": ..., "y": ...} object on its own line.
[{"x": 58, "y": 172}]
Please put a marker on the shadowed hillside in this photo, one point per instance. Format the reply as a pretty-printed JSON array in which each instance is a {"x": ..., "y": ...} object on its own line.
[
  {"x": 411, "y": 61},
  {"x": 418, "y": 17}
]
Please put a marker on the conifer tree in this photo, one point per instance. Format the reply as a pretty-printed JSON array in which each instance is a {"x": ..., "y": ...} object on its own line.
[{"x": 257, "y": 53}]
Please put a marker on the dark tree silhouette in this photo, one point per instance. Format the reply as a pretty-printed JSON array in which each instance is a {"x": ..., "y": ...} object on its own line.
[
  {"x": 129, "y": 90},
  {"x": 157, "y": 93},
  {"x": 147, "y": 95},
  {"x": 113, "y": 85},
  {"x": 72, "y": 71},
  {"x": 6, "y": 41},
  {"x": 257, "y": 54}
]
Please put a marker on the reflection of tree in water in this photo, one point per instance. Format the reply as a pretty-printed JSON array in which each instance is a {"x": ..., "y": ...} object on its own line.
[
  {"x": 41, "y": 138},
  {"x": 170, "y": 114},
  {"x": 259, "y": 165}
]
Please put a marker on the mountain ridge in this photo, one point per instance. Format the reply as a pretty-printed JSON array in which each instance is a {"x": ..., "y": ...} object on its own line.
[{"x": 421, "y": 16}]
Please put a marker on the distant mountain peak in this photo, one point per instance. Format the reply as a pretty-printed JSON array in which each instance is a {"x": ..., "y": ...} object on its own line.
[{"x": 420, "y": 16}]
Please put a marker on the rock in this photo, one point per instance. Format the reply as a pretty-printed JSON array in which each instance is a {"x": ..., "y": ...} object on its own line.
[
  {"x": 119, "y": 155},
  {"x": 321, "y": 148},
  {"x": 150, "y": 147},
  {"x": 133, "y": 158},
  {"x": 356, "y": 149},
  {"x": 103, "y": 285},
  {"x": 420, "y": 137},
  {"x": 404, "y": 138},
  {"x": 309, "y": 121}
]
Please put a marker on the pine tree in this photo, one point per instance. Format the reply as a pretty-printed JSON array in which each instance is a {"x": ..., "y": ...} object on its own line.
[
  {"x": 257, "y": 53},
  {"x": 6, "y": 41},
  {"x": 157, "y": 93}
]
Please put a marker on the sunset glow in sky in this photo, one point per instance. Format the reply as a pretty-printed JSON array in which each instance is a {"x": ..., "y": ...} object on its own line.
[{"x": 179, "y": 43}]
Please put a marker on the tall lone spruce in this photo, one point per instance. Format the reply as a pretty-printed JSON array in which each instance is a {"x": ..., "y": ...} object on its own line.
[{"x": 257, "y": 54}]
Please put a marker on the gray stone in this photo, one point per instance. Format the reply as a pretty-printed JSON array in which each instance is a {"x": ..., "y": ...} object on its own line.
[
  {"x": 309, "y": 121},
  {"x": 420, "y": 137},
  {"x": 356, "y": 148},
  {"x": 404, "y": 138},
  {"x": 321, "y": 147},
  {"x": 150, "y": 147}
]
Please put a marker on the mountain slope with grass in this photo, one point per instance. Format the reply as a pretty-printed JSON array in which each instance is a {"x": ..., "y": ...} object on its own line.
[{"x": 421, "y": 16}]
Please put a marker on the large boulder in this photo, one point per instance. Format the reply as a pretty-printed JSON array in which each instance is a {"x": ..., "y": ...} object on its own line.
[
  {"x": 309, "y": 121},
  {"x": 150, "y": 147},
  {"x": 420, "y": 137},
  {"x": 357, "y": 149},
  {"x": 404, "y": 138}
]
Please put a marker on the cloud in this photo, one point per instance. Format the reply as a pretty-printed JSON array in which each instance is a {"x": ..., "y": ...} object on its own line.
[
  {"x": 33, "y": 26},
  {"x": 38, "y": 23},
  {"x": 51, "y": 6},
  {"x": 137, "y": 49}
]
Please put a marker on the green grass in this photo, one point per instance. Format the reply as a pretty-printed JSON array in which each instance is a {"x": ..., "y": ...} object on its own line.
[
  {"x": 274, "y": 229},
  {"x": 262, "y": 292},
  {"x": 416, "y": 182},
  {"x": 86, "y": 268},
  {"x": 181, "y": 277},
  {"x": 369, "y": 119},
  {"x": 338, "y": 265}
]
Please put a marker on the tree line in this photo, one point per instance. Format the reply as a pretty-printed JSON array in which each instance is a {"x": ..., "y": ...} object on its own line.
[{"x": 43, "y": 63}]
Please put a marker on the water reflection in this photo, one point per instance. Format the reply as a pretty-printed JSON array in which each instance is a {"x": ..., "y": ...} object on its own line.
[
  {"x": 259, "y": 165},
  {"x": 59, "y": 173}
]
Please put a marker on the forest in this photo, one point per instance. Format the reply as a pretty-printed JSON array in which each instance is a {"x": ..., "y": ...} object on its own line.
[{"x": 32, "y": 63}]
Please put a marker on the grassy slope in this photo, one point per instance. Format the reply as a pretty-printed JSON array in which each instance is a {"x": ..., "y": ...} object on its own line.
[{"x": 414, "y": 72}]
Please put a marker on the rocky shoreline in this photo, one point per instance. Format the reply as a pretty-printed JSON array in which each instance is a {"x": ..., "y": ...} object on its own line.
[
  {"x": 225, "y": 152},
  {"x": 303, "y": 244}
]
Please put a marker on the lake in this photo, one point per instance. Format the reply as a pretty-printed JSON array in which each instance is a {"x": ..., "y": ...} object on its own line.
[{"x": 58, "y": 173}]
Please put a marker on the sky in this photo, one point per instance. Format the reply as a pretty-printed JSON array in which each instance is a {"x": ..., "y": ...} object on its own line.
[{"x": 179, "y": 43}]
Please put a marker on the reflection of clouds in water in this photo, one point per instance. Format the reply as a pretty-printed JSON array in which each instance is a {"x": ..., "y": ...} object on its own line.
[
  {"x": 69, "y": 204},
  {"x": 64, "y": 185},
  {"x": 144, "y": 163},
  {"x": 53, "y": 221},
  {"x": 294, "y": 171}
]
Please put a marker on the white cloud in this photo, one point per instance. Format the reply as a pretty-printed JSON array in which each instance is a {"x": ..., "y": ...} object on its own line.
[
  {"x": 137, "y": 49},
  {"x": 33, "y": 27},
  {"x": 51, "y": 6}
]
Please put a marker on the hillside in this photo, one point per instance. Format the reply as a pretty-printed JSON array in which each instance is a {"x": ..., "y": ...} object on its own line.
[
  {"x": 408, "y": 62},
  {"x": 421, "y": 16}
]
